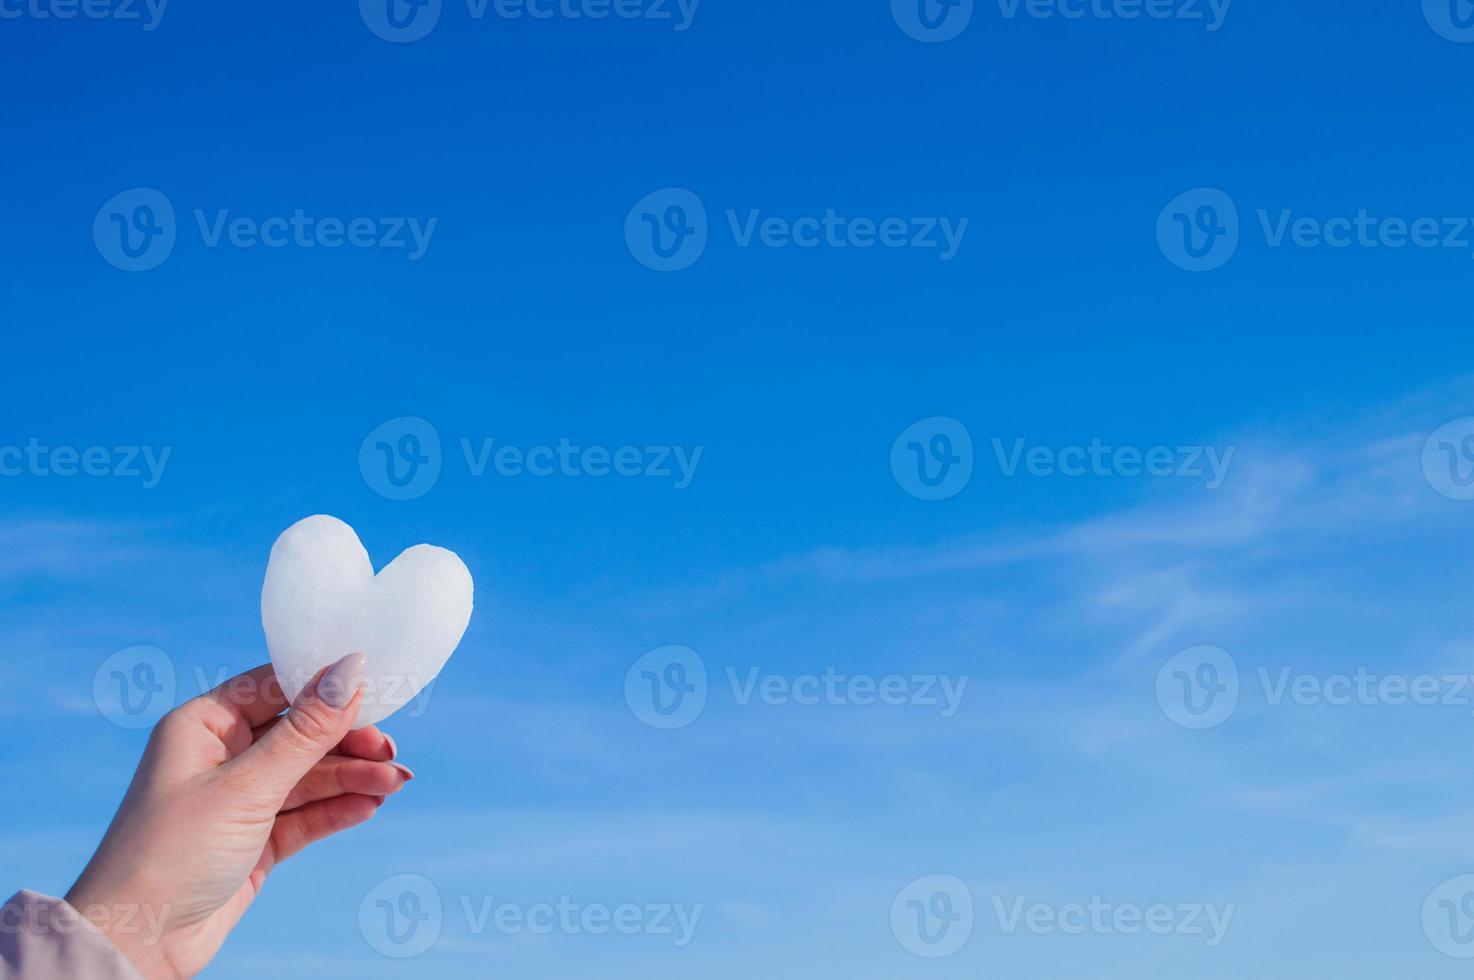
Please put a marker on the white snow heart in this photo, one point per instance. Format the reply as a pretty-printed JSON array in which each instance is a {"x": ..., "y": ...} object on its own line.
[{"x": 322, "y": 601}]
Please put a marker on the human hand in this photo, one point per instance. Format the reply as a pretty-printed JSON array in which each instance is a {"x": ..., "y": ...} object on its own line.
[{"x": 226, "y": 790}]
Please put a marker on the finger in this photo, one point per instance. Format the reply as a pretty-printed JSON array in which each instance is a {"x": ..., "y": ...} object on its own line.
[
  {"x": 368, "y": 743},
  {"x": 232, "y": 709},
  {"x": 253, "y": 696},
  {"x": 337, "y": 775},
  {"x": 295, "y": 829},
  {"x": 317, "y": 722},
  {"x": 362, "y": 743}
]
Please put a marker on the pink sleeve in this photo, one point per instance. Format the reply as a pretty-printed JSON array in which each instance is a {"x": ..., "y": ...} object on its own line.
[{"x": 44, "y": 938}]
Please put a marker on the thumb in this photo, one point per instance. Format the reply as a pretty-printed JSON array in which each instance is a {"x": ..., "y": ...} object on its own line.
[{"x": 316, "y": 722}]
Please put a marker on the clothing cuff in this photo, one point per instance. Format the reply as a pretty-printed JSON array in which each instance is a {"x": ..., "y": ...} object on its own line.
[{"x": 44, "y": 938}]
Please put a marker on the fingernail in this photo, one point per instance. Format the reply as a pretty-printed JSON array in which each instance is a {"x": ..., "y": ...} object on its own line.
[
  {"x": 389, "y": 742},
  {"x": 342, "y": 681},
  {"x": 404, "y": 769}
]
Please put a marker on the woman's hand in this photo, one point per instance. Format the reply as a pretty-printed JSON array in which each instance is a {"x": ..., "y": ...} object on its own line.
[{"x": 227, "y": 789}]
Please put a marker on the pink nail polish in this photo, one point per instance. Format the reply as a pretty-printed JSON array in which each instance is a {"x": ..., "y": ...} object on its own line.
[
  {"x": 393, "y": 749},
  {"x": 408, "y": 775},
  {"x": 342, "y": 681}
]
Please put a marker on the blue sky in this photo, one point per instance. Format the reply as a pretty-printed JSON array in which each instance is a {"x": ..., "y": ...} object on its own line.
[{"x": 1054, "y": 148}]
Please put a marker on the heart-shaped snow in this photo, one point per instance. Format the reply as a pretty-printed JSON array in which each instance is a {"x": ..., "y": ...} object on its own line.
[{"x": 322, "y": 601}]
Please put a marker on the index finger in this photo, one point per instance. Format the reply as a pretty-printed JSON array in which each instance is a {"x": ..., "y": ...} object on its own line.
[
  {"x": 253, "y": 698},
  {"x": 362, "y": 743}
]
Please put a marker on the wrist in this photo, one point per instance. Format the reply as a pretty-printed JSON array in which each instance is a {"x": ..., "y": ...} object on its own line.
[{"x": 134, "y": 925}]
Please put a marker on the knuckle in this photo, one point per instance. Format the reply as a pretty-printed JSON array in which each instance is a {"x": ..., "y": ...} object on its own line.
[
  {"x": 174, "y": 723},
  {"x": 310, "y": 725}
]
